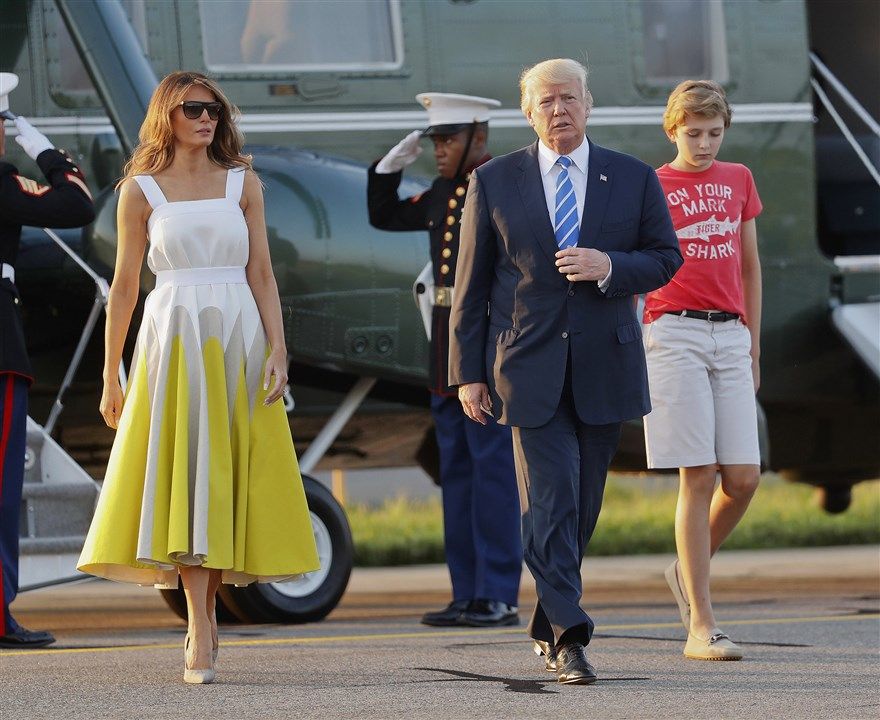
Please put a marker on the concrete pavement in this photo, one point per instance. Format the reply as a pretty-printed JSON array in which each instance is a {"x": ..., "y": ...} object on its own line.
[{"x": 808, "y": 620}]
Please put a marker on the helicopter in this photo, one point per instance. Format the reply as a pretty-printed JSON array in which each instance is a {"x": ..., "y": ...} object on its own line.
[{"x": 316, "y": 113}]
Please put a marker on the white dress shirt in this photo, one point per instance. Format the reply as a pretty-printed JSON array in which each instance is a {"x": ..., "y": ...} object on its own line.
[{"x": 577, "y": 173}]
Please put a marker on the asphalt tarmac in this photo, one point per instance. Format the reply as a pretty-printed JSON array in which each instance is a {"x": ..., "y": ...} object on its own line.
[{"x": 807, "y": 619}]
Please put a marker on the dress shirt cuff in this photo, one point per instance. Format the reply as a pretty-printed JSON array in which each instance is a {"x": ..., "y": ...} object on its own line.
[{"x": 603, "y": 284}]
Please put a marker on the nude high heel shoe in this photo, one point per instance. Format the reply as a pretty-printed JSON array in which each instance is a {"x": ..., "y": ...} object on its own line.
[{"x": 192, "y": 676}]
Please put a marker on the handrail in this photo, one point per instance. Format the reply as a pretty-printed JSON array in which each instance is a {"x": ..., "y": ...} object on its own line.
[
  {"x": 845, "y": 130},
  {"x": 102, "y": 292},
  {"x": 849, "y": 264},
  {"x": 847, "y": 96},
  {"x": 98, "y": 280}
]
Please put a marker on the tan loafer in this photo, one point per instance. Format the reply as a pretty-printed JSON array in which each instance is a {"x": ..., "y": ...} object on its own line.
[
  {"x": 718, "y": 646},
  {"x": 684, "y": 607}
]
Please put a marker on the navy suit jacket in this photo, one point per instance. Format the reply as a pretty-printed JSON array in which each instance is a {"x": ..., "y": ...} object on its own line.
[{"x": 516, "y": 319}]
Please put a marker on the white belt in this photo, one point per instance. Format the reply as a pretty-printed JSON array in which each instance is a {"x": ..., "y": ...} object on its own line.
[
  {"x": 202, "y": 276},
  {"x": 7, "y": 272}
]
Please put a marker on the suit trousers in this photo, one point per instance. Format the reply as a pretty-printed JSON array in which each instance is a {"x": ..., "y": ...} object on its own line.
[
  {"x": 481, "y": 515},
  {"x": 13, "y": 435},
  {"x": 561, "y": 469}
]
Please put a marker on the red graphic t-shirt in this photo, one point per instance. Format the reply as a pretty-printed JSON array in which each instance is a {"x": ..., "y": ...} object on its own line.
[{"x": 708, "y": 209}]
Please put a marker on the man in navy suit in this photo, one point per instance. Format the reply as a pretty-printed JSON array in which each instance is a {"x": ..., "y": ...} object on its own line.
[{"x": 556, "y": 239}]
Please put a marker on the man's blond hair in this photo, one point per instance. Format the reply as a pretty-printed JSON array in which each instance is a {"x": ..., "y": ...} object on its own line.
[
  {"x": 703, "y": 98},
  {"x": 553, "y": 72}
]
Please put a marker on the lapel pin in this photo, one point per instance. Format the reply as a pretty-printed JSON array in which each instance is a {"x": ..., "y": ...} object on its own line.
[{"x": 603, "y": 178}]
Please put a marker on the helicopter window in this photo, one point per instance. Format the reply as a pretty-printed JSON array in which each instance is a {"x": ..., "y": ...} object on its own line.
[
  {"x": 683, "y": 38},
  {"x": 284, "y": 35},
  {"x": 69, "y": 83}
]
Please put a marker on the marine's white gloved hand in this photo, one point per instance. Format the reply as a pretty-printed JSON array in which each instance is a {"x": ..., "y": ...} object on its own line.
[
  {"x": 401, "y": 155},
  {"x": 32, "y": 141}
]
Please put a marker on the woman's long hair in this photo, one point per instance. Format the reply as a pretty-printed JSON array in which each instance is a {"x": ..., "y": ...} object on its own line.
[{"x": 155, "y": 151}]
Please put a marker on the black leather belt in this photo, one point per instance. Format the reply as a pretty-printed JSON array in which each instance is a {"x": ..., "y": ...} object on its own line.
[{"x": 710, "y": 315}]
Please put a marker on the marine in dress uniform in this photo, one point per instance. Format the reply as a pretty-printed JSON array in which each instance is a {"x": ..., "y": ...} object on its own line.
[
  {"x": 64, "y": 202},
  {"x": 481, "y": 514}
]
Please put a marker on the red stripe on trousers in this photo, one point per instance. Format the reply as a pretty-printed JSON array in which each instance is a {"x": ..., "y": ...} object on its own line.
[{"x": 8, "y": 397}]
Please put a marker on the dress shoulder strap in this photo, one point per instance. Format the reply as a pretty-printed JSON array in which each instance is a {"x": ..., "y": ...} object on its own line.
[
  {"x": 151, "y": 190},
  {"x": 235, "y": 184}
]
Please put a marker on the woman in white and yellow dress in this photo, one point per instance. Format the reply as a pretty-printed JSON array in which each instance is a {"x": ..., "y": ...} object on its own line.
[{"x": 203, "y": 478}]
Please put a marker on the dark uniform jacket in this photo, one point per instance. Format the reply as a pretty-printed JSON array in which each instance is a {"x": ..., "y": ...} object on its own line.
[
  {"x": 437, "y": 210},
  {"x": 65, "y": 203}
]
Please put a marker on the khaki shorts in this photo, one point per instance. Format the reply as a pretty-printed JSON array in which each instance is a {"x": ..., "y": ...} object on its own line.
[{"x": 702, "y": 394}]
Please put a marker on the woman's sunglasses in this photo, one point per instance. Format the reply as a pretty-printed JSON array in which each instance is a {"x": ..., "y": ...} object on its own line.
[{"x": 193, "y": 109}]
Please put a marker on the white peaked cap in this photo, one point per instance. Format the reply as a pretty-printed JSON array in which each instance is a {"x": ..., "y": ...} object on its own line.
[
  {"x": 8, "y": 83},
  {"x": 449, "y": 112}
]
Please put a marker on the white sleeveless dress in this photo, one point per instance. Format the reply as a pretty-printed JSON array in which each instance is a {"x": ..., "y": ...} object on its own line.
[{"x": 201, "y": 471}]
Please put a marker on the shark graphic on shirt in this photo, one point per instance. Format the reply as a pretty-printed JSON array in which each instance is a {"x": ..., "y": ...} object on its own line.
[{"x": 705, "y": 229}]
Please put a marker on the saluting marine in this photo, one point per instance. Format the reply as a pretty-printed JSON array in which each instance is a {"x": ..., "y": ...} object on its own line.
[
  {"x": 64, "y": 202},
  {"x": 481, "y": 514}
]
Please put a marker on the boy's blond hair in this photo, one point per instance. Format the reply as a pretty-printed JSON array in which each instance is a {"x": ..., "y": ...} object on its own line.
[{"x": 695, "y": 97}]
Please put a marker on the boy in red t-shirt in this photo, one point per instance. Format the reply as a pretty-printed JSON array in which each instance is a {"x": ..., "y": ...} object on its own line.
[{"x": 702, "y": 345}]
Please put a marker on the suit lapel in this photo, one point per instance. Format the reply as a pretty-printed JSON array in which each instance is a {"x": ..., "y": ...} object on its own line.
[
  {"x": 531, "y": 190},
  {"x": 599, "y": 179}
]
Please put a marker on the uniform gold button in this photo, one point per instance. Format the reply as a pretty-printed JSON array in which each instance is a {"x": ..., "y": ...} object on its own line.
[
  {"x": 444, "y": 269},
  {"x": 450, "y": 220},
  {"x": 459, "y": 191},
  {"x": 446, "y": 252},
  {"x": 453, "y": 203},
  {"x": 447, "y": 236}
]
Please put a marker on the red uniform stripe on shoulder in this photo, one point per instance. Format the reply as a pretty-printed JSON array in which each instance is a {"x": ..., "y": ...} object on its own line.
[{"x": 76, "y": 180}]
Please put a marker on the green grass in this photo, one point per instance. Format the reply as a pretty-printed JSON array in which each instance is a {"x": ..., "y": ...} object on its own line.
[{"x": 637, "y": 517}]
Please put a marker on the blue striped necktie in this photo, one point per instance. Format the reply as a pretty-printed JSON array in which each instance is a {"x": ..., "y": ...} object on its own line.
[{"x": 566, "y": 225}]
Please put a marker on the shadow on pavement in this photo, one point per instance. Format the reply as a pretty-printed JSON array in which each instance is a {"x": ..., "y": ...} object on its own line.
[{"x": 526, "y": 687}]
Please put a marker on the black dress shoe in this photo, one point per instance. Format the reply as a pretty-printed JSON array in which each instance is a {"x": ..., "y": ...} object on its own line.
[
  {"x": 23, "y": 639},
  {"x": 450, "y": 615},
  {"x": 490, "y": 613},
  {"x": 548, "y": 650},
  {"x": 572, "y": 667}
]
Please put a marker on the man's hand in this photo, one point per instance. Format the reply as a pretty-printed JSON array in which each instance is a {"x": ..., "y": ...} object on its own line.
[
  {"x": 579, "y": 263},
  {"x": 475, "y": 401},
  {"x": 32, "y": 141},
  {"x": 404, "y": 153}
]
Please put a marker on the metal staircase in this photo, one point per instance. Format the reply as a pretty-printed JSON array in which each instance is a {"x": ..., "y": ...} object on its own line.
[
  {"x": 58, "y": 496},
  {"x": 852, "y": 215},
  {"x": 57, "y": 503}
]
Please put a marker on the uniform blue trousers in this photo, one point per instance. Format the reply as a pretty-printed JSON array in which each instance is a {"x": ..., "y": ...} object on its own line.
[
  {"x": 13, "y": 427},
  {"x": 481, "y": 513}
]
